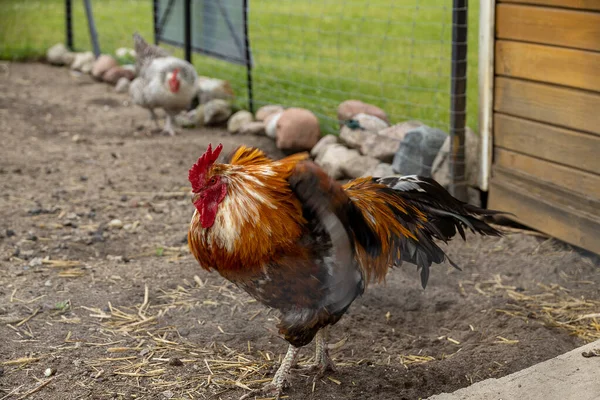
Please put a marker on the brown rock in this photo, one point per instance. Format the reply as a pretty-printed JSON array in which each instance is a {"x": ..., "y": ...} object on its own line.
[
  {"x": 103, "y": 64},
  {"x": 113, "y": 75},
  {"x": 349, "y": 108},
  {"x": 265, "y": 111},
  {"x": 297, "y": 130}
]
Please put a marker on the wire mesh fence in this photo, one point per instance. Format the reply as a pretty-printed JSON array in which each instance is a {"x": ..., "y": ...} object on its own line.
[
  {"x": 395, "y": 54},
  {"x": 310, "y": 53}
]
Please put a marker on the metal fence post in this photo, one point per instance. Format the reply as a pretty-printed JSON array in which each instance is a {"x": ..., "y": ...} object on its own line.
[
  {"x": 69, "y": 23},
  {"x": 92, "y": 27},
  {"x": 458, "y": 104},
  {"x": 155, "y": 20},
  {"x": 187, "y": 29},
  {"x": 248, "y": 60}
]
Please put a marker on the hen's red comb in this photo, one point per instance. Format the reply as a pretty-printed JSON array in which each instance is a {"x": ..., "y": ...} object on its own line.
[{"x": 198, "y": 170}]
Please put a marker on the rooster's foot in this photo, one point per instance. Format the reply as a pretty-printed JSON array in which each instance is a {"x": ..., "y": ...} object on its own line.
[
  {"x": 323, "y": 361},
  {"x": 168, "y": 132},
  {"x": 275, "y": 387}
]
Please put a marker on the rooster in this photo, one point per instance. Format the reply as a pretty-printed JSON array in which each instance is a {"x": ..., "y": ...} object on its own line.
[
  {"x": 163, "y": 82},
  {"x": 298, "y": 241}
]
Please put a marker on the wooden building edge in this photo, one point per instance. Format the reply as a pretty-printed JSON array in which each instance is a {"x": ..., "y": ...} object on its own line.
[{"x": 540, "y": 101}]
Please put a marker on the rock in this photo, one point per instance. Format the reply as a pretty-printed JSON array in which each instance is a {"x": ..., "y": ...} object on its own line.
[
  {"x": 122, "y": 85},
  {"x": 440, "y": 169},
  {"x": 216, "y": 111},
  {"x": 103, "y": 64},
  {"x": 367, "y": 126},
  {"x": 265, "y": 111},
  {"x": 83, "y": 62},
  {"x": 49, "y": 372},
  {"x": 253, "y": 128},
  {"x": 271, "y": 125},
  {"x": 380, "y": 147},
  {"x": 349, "y": 108},
  {"x": 297, "y": 129},
  {"x": 417, "y": 151},
  {"x": 356, "y": 166},
  {"x": 333, "y": 157},
  {"x": 113, "y": 75},
  {"x": 211, "y": 89},
  {"x": 398, "y": 131},
  {"x": 186, "y": 119},
  {"x": 239, "y": 119},
  {"x": 322, "y": 144},
  {"x": 115, "y": 224},
  {"x": 59, "y": 55},
  {"x": 381, "y": 170},
  {"x": 198, "y": 113}
]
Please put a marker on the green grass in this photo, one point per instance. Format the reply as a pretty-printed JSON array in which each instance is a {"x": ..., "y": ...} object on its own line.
[{"x": 308, "y": 53}]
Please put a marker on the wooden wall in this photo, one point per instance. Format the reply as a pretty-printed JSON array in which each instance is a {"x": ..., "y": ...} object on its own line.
[{"x": 546, "y": 125}]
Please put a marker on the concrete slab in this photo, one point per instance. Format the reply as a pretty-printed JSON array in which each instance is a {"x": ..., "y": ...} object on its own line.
[{"x": 569, "y": 376}]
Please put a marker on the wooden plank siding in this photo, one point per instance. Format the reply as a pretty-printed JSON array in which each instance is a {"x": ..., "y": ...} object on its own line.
[
  {"x": 593, "y": 5},
  {"x": 565, "y": 107},
  {"x": 541, "y": 206},
  {"x": 546, "y": 120},
  {"x": 561, "y": 146},
  {"x": 545, "y": 25},
  {"x": 584, "y": 183},
  {"x": 568, "y": 67}
]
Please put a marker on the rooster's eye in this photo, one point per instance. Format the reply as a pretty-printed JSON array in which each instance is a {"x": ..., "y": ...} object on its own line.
[{"x": 213, "y": 180}]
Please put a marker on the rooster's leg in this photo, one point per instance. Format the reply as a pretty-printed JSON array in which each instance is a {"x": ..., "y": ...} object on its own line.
[
  {"x": 168, "y": 129},
  {"x": 154, "y": 117},
  {"x": 323, "y": 361},
  {"x": 275, "y": 387}
]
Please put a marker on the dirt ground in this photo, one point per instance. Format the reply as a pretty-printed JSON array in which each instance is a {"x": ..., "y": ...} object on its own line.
[{"x": 94, "y": 309}]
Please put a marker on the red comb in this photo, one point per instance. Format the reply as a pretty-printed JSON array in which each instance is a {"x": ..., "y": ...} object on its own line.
[{"x": 198, "y": 170}]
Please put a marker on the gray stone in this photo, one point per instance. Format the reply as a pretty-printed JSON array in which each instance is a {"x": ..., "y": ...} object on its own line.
[
  {"x": 122, "y": 85},
  {"x": 355, "y": 166},
  {"x": 381, "y": 147},
  {"x": 322, "y": 144},
  {"x": 417, "y": 151},
  {"x": 253, "y": 128},
  {"x": 271, "y": 124},
  {"x": 216, "y": 111},
  {"x": 368, "y": 126},
  {"x": 333, "y": 157},
  {"x": 398, "y": 131},
  {"x": 239, "y": 119},
  {"x": 381, "y": 170},
  {"x": 59, "y": 55},
  {"x": 440, "y": 169},
  {"x": 83, "y": 62}
]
